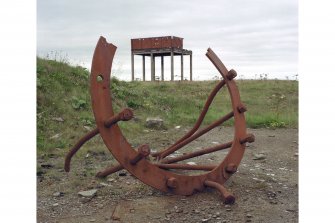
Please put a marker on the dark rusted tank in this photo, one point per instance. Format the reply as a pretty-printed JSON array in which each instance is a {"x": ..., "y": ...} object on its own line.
[{"x": 162, "y": 42}]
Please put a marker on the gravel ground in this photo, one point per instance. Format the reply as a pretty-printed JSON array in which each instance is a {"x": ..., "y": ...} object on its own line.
[{"x": 265, "y": 186}]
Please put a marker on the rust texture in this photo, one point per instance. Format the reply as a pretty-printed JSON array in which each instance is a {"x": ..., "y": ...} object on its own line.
[{"x": 140, "y": 162}]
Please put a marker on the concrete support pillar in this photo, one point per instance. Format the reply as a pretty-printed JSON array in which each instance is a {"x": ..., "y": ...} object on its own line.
[
  {"x": 191, "y": 67},
  {"x": 182, "y": 67},
  {"x": 172, "y": 67},
  {"x": 143, "y": 67},
  {"x": 152, "y": 67},
  {"x": 162, "y": 68},
  {"x": 132, "y": 67}
]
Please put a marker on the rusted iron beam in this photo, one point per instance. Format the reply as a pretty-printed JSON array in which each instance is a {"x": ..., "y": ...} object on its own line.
[
  {"x": 226, "y": 195},
  {"x": 157, "y": 174},
  {"x": 109, "y": 171},
  {"x": 125, "y": 115},
  {"x": 185, "y": 166},
  {"x": 77, "y": 146},
  {"x": 198, "y": 153},
  {"x": 200, "y": 118},
  {"x": 197, "y": 135}
]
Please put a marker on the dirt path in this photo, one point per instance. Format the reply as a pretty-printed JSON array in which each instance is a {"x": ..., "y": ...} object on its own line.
[{"x": 265, "y": 186}]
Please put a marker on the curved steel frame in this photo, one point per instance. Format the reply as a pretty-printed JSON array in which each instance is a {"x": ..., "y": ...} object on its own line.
[{"x": 156, "y": 174}]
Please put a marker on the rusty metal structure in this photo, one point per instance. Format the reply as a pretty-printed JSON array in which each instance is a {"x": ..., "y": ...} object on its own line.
[
  {"x": 154, "y": 168},
  {"x": 154, "y": 47}
]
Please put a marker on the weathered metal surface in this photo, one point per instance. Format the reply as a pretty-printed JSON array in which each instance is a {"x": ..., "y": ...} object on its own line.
[
  {"x": 161, "y": 42},
  {"x": 156, "y": 174}
]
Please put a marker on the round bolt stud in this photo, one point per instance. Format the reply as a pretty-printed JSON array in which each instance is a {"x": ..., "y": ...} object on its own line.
[
  {"x": 231, "y": 74},
  {"x": 249, "y": 138},
  {"x": 172, "y": 183},
  {"x": 229, "y": 199},
  {"x": 241, "y": 108},
  {"x": 126, "y": 114},
  {"x": 143, "y": 151},
  {"x": 231, "y": 168}
]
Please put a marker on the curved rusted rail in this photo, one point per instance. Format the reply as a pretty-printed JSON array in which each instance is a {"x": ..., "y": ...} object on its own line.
[{"x": 136, "y": 162}]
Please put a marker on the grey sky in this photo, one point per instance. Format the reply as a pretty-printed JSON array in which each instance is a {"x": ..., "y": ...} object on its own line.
[{"x": 253, "y": 37}]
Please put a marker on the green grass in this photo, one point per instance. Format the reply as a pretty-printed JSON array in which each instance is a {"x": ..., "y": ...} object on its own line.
[{"x": 63, "y": 91}]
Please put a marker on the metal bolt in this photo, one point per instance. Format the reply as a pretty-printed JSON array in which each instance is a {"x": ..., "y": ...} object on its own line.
[
  {"x": 143, "y": 151},
  {"x": 125, "y": 115},
  {"x": 241, "y": 108},
  {"x": 231, "y": 168},
  {"x": 231, "y": 74},
  {"x": 172, "y": 182},
  {"x": 248, "y": 138}
]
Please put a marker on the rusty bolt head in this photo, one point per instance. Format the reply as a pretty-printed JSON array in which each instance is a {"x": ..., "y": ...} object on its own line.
[
  {"x": 144, "y": 150},
  {"x": 230, "y": 199},
  {"x": 231, "y": 168},
  {"x": 241, "y": 108},
  {"x": 249, "y": 138},
  {"x": 172, "y": 183},
  {"x": 231, "y": 74},
  {"x": 126, "y": 114}
]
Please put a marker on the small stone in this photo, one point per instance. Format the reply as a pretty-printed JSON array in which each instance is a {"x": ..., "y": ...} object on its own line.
[
  {"x": 58, "y": 119},
  {"x": 205, "y": 220},
  {"x": 92, "y": 220},
  {"x": 87, "y": 155},
  {"x": 196, "y": 211},
  {"x": 215, "y": 142},
  {"x": 259, "y": 156},
  {"x": 154, "y": 123},
  {"x": 116, "y": 218},
  {"x": 55, "y": 136},
  {"x": 102, "y": 184},
  {"x": 128, "y": 182},
  {"x": 87, "y": 128},
  {"x": 55, "y": 204},
  {"x": 88, "y": 193},
  {"x": 177, "y": 127},
  {"x": 58, "y": 194},
  {"x": 249, "y": 216},
  {"x": 296, "y": 154},
  {"x": 191, "y": 163},
  {"x": 228, "y": 209},
  {"x": 110, "y": 179}
]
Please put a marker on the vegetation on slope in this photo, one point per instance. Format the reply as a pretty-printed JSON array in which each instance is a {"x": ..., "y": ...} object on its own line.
[{"x": 64, "y": 108}]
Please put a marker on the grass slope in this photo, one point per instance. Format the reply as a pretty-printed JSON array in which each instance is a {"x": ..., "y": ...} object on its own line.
[{"x": 62, "y": 92}]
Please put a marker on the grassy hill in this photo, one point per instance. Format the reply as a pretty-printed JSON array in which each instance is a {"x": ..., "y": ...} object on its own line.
[{"x": 64, "y": 107}]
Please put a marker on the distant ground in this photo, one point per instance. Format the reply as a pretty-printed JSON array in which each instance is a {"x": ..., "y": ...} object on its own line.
[{"x": 266, "y": 189}]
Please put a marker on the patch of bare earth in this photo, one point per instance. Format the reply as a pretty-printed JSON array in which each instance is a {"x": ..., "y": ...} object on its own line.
[{"x": 265, "y": 186}]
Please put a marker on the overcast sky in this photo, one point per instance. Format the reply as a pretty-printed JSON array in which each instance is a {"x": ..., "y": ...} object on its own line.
[{"x": 253, "y": 37}]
